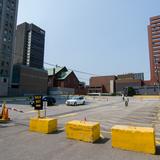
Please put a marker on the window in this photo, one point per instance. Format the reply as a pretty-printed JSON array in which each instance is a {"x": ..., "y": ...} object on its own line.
[
  {"x": 5, "y": 31},
  {"x": 12, "y": 4},
  {"x": 7, "y": 15},
  {"x": 155, "y": 38},
  {"x": 4, "y": 39},
  {"x": 6, "y": 72},
  {"x": 12, "y": 10},
  {"x": 155, "y": 43},
  {"x": 10, "y": 25},
  {"x": 156, "y": 20},
  {"x": 155, "y": 28},
  {"x": 42, "y": 32},
  {"x": 155, "y": 32},
  {"x": 4, "y": 80},
  {"x": 1, "y": 71},
  {"x": 7, "y": 8},
  {"x": 9, "y": 39},
  {"x": 4, "y": 46},
  {"x": 156, "y": 47},
  {"x": 9, "y": 48},
  {"x": 6, "y": 23},
  {"x": 157, "y": 51},
  {"x": 2, "y": 63},
  {"x": 153, "y": 25}
]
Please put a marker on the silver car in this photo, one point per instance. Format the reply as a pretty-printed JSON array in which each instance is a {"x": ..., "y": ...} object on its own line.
[{"x": 74, "y": 101}]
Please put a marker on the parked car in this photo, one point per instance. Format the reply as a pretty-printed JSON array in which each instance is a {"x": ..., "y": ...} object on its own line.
[
  {"x": 77, "y": 100},
  {"x": 50, "y": 101}
]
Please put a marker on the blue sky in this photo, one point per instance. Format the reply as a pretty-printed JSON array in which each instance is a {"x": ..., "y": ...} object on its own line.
[{"x": 103, "y": 37}]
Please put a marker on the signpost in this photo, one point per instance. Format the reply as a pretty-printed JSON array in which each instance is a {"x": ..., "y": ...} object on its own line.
[
  {"x": 45, "y": 108},
  {"x": 38, "y": 104}
]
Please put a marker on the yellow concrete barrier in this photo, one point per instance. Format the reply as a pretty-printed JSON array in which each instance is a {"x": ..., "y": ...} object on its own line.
[
  {"x": 148, "y": 97},
  {"x": 141, "y": 139},
  {"x": 83, "y": 130},
  {"x": 43, "y": 125}
]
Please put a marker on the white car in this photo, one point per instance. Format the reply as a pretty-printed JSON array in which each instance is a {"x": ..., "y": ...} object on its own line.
[{"x": 77, "y": 100}]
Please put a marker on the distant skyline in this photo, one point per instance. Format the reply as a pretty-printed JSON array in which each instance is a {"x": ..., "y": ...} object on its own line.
[{"x": 104, "y": 37}]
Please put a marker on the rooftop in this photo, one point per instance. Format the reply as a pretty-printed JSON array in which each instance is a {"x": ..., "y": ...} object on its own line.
[{"x": 51, "y": 70}]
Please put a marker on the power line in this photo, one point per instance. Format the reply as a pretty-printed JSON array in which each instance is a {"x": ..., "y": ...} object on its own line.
[
  {"x": 71, "y": 69},
  {"x": 83, "y": 79},
  {"x": 51, "y": 64}
]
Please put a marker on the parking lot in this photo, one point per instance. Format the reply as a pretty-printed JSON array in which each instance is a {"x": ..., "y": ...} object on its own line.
[{"x": 18, "y": 143}]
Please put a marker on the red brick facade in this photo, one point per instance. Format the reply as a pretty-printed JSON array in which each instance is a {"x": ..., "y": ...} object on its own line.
[
  {"x": 101, "y": 84},
  {"x": 154, "y": 48},
  {"x": 112, "y": 84},
  {"x": 65, "y": 79},
  {"x": 71, "y": 81}
]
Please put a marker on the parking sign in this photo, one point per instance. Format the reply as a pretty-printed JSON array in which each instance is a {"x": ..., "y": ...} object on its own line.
[{"x": 38, "y": 104}]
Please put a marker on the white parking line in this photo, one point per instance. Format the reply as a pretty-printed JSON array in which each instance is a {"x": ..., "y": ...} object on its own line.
[
  {"x": 31, "y": 111},
  {"x": 67, "y": 115}
]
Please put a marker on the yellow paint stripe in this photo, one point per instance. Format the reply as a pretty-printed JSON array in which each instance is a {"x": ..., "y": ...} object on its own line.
[
  {"x": 101, "y": 136},
  {"x": 158, "y": 142},
  {"x": 61, "y": 129},
  {"x": 68, "y": 115}
]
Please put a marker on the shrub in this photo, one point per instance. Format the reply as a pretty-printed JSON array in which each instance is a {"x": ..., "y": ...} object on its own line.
[{"x": 131, "y": 91}]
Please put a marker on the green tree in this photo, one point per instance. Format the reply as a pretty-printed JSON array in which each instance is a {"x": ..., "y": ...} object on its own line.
[{"x": 131, "y": 91}]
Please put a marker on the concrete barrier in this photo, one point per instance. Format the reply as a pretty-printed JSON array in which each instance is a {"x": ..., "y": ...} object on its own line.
[
  {"x": 141, "y": 139},
  {"x": 43, "y": 125},
  {"x": 148, "y": 97},
  {"x": 83, "y": 130}
]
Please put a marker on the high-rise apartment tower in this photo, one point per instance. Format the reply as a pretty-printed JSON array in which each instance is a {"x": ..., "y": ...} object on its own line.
[
  {"x": 30, "y": 41},
  {"x": 8, "y": 19},
  {"x": 154, "y": 48}
]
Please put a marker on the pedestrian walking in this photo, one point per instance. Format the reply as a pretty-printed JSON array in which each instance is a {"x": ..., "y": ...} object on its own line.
[
  {"x": 123, "y": 97},
  {"x": 126, "y": 101}
]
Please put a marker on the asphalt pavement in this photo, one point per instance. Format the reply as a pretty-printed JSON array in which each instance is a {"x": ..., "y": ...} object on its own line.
[{"x": 18, "y": 143}]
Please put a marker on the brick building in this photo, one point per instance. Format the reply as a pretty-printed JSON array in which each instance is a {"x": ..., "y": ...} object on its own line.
[
  {"x": 154, "y": 48},
  {"x": 139, "y": 76},
  {"x": 64, "y": 80},
  {"x": 124, "y": 81},
  {"x": 121, "y": 84},
  {"x": 61, "y": 77},
  {"x": 112, "y": 84},
  {"x": 102, "y": 84},
  {"x": 29, "y": 77},
  {"x": 28, "y": 81}
]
